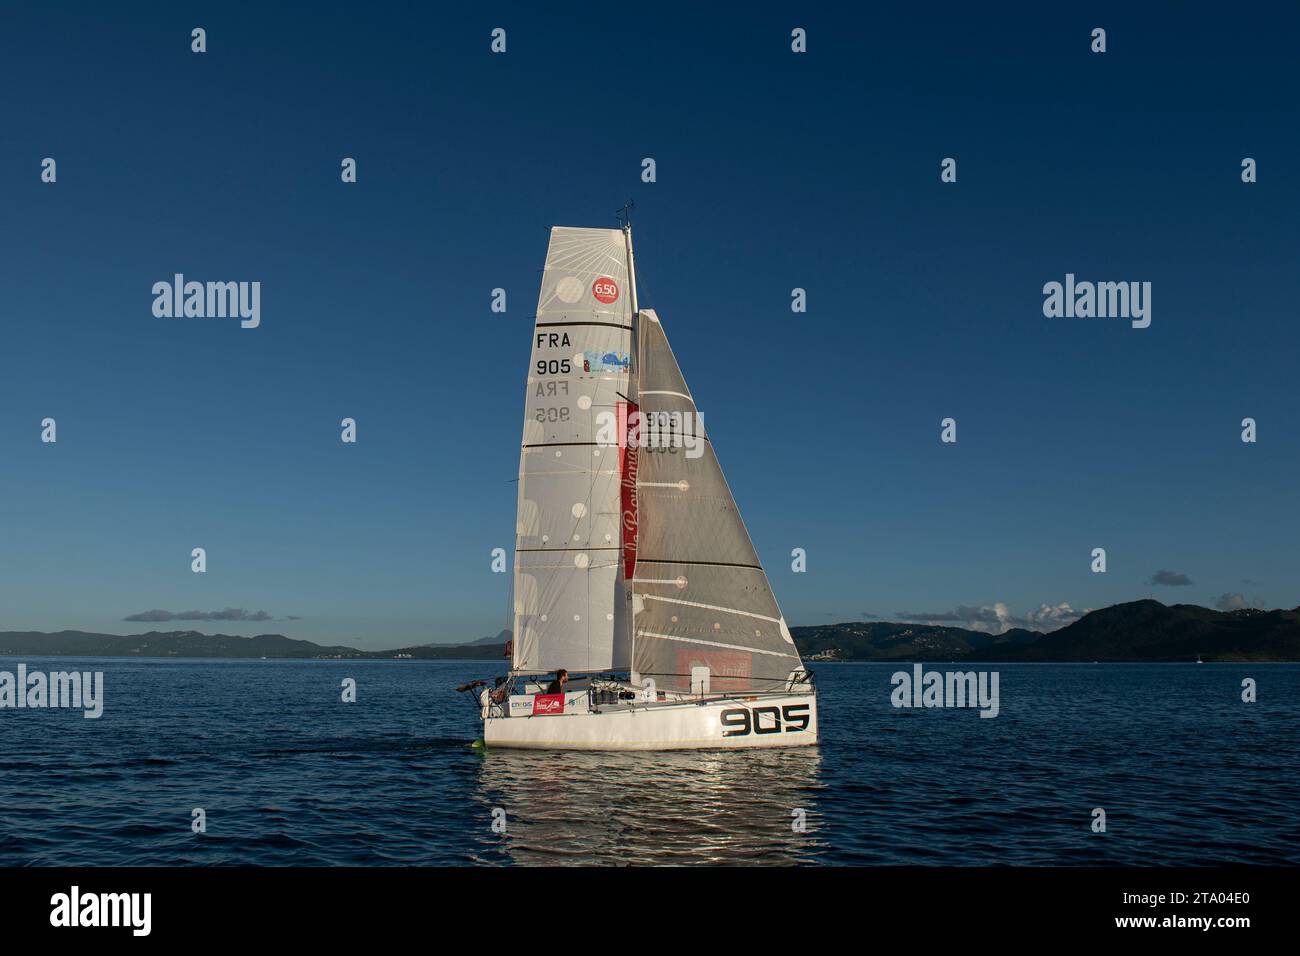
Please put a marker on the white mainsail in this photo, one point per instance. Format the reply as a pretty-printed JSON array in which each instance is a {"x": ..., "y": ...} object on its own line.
[
  {"x": 700, "y": 596},
  {"x": 568, "y": 587}
]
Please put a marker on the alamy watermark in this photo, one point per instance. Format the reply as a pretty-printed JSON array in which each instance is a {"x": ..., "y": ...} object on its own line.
[
  {"x": 209, "y": 300},
  {"x": 923, "y": 688},
  {"x": 72, "y": 689},
  {"x": 653, "y": 431},
  {"x": 1098, "y": 300},
  {"x": 75, "y": 908}
]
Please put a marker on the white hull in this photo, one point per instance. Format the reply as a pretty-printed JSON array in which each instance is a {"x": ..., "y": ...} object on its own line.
[{"x": 787, "y": 720}]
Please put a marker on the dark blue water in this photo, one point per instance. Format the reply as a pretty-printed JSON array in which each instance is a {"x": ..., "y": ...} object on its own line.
[{"x": 288, "y": 774}]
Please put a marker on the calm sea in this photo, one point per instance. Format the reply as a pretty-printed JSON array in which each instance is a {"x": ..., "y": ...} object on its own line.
[{"x": 288, "y": 774}]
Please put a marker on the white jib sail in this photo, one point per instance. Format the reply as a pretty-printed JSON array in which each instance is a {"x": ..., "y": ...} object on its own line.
[
  {"x": 700, "y": 596},
  {"x": 568, "y": 577}
]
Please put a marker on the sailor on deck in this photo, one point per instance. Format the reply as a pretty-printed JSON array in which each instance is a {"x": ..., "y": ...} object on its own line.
[{"x": 557, "y": 686}]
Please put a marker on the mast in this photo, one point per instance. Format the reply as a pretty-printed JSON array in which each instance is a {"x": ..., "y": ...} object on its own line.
[
  {"x": 631, "y": 275},
  {"x": 625, "y": 214}
]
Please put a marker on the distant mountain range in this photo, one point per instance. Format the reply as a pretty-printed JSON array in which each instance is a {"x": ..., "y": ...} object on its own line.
[
  {"x": 495, "y": 640},
  {"x": 197, "y": 644},
  {"x": 1136, "y": 631}
]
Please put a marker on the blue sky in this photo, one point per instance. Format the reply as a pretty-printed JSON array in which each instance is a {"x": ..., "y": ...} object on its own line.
[{"x": 775, "y": 171}]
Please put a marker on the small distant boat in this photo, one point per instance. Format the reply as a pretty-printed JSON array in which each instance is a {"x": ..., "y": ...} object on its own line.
[
  {"x": 633, "y": 569},
  {"x": 1198, "y": 659}
]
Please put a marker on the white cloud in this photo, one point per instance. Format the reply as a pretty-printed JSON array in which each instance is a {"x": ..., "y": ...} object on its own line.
[
  {"x": 1049, "y": 617},
  {"x": 1236, "y": 602},
  {"x": 996, "y": 618}
]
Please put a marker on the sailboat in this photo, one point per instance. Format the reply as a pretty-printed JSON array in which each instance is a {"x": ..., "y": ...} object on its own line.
[{"x": 633, "y": 569}]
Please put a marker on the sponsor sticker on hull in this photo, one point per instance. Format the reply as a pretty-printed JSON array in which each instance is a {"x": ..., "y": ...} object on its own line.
[{"x": 548, "y": 704}]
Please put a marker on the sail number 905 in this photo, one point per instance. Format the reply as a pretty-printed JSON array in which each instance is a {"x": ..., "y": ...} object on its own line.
[
  {"x": 739, "y": 721},
  {"x": 554, "y": 366},
  {"x": 557, "y": 414}
]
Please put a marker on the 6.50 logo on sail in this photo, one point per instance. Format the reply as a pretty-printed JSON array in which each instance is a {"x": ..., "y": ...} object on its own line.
[{"x": 740, "y": 721}]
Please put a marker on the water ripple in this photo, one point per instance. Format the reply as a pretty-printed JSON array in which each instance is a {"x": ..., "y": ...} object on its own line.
[{"x": 287, "y": 774}]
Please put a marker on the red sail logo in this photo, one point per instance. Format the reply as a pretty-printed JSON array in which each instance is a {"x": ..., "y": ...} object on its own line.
[
  {"x": 629, "y": 440},
  {"x": 605, "y": 289}
]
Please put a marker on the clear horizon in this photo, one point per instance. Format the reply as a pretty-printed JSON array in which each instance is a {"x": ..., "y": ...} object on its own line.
[{"x": 381, "y": 646}]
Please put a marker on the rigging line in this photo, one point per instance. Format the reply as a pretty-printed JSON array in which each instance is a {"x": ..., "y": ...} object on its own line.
[
  {"x": 719, "y": 677},
  {"x": 714, "y": 564},
  {"x": 713, "y": 607},
  {"x": 733, "y": 647}
]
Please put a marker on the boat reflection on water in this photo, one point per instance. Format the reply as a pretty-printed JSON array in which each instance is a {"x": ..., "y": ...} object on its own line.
[{"x": 668, "y": 807}]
